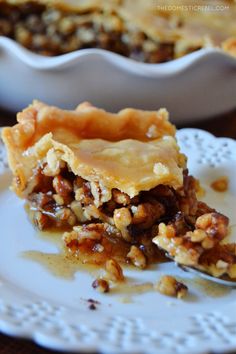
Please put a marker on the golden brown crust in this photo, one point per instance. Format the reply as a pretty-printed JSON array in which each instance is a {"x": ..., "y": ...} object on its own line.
[
  {"x": 229, "y": 46},
  {"x": 132, "y": 150},
  {"x": 88, "y": 122},
  {"x": 182, "y": 23}
]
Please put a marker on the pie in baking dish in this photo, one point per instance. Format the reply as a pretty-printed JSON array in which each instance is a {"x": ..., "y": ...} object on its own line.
[
  {"x": 113, "y": 183},
  {"x": 149, "y": 31}
]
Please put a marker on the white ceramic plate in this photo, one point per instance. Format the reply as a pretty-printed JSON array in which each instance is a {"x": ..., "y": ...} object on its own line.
[
  {"x": 197, "y": 86},
  {"x": 54, "y": 312}
]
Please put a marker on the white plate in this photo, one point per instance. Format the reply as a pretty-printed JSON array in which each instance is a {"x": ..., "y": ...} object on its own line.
[
  {"x": 54, "y": 312},
  {"x": 113, "y": 82}
]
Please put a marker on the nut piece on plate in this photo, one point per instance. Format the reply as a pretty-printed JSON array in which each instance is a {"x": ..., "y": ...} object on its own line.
[
  {"x": 169, "y": 286},
  {"x": 114, "y": 271},
  {"x": 221, "y": 184}
]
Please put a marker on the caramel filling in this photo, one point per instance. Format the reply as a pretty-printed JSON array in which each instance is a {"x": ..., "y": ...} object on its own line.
[{"x": 108, "y": 228}]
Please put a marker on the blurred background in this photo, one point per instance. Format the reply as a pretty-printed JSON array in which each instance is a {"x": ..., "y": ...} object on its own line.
[{"x": 145, "y": 54}]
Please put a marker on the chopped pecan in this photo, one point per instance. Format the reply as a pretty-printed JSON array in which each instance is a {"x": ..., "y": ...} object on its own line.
[
  {"x": 122, "y": 219},
  {"x": 120, "y": 197},
  {"x": 41, "y": 220},
  {"x": 137, "y": 257},
  {"x": 146, "y": 214},
  {"x": 40, "y": 200},
  {"x": 84, "y": 194},
  {"x": 62, "y": 186},
  {"x": 90, "y": 231},
  {"x": 169, "y": 286},
  {"x": 215, "y": 225},
  {"x": 66, "y": 215},
  {"x": 114, "y": 270}
]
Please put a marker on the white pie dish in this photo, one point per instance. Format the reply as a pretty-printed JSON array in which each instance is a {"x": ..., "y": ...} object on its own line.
[
  {"x": 54, "y": 311},
  {"x": 197, "y": 86}
]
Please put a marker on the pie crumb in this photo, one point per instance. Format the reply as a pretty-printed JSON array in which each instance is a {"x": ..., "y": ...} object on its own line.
[
  {"x": 221, "y": 184},
  {"x": 101, "y": 285}
]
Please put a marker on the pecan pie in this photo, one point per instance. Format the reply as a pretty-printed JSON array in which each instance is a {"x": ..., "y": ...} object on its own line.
[
  {"x": 148, "y": 31},
  {"x": 113, "y": 182}
]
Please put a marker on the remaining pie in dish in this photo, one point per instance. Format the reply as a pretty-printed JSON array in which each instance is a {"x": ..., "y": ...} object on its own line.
[
  {"x": 113, "y": 182},
  {"x": 149, "y": 31}
]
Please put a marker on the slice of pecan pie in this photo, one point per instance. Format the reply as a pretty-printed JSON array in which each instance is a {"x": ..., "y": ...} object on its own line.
[{"x": 110, "y": 182}]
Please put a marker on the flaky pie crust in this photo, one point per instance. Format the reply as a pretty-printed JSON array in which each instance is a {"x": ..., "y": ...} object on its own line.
[{"x": 132, "y": 150}]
